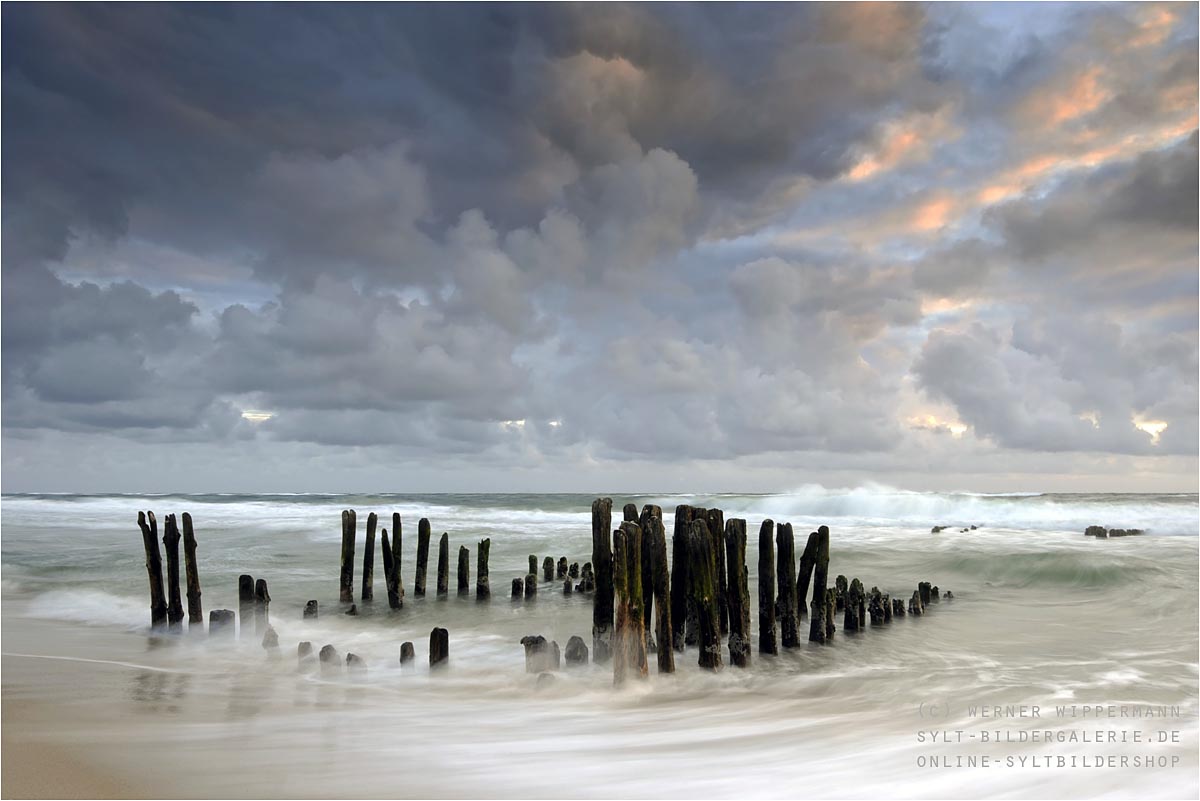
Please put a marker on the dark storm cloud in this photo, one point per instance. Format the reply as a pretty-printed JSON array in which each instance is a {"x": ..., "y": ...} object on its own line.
[{"x": 559, "y": 236}]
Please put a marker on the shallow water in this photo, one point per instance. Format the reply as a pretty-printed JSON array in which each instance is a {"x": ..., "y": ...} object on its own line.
[{"x": 1042, "y": 616}]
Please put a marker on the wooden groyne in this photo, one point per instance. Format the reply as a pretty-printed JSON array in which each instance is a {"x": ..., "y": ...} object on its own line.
[{"x": 642, "y": 601}]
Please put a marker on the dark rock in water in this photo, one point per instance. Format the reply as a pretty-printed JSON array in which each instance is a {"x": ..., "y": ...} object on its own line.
[
  {"x": 577, "y": 651},
  {"x": 531, "y": 586},
  {"x": 949, "y": 596},
  {"x": 518, "y": 589},
  {"x": 1095, "y": 531},
  {"x": 355, "y": 663},
  {"x": 566, "y": 587},
  {"x": 915, "y": 607},
  {"x": 407, "y": 654},
  {"x": 331, "y": 661},
  {"x": 538, "y": 655},
  {"x": 353, "y": 610},
  {"x": 574, "y": 570},
  {"x": 439, "y": 648},
  {"x": 310, "y": 610},
  {"x": 897, "y": 607},
  {"x": 1125, "y": 532},
  {"x": 973, "y": 528},
  {"x": 938, "y": 529}
]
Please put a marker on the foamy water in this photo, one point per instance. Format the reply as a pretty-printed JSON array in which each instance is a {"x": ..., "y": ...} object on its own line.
[{"x": 1043, "y": 616}]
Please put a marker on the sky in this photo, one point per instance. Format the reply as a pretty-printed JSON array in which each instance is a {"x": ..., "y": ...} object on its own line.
[{"x": 656, "y": 248}]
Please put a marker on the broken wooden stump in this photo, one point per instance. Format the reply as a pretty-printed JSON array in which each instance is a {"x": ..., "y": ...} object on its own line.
[
  {"x": 533, "y": 564},
  {"x": 408, "y": 654},
  {"x": 443, "y": 565},
  {"x": 587, "y": 579},
  {"x": 356, "y": 664},
  {"x": 158, "y": 600},
  {"x": 353, "y": 610},
  {"x": 738, "y": 585},
  {"x": 464, "y": 571},
  {"x": 368, "y": 574},
  {"x": 629, "y": 642},
  {"x": 222, "y": 623},
  {"x": 518, "y": 589},
  {"x": 602, "y": 562},
  {"x": 877, "y": 608},
  {"x": 573, "y": 571},
  {"x": 331, "y": 661},
  {"x": 566, "y": 586},
  {"x": 531, "y": 587},
  {"x": 767, "y": 640},
  {"x": 349, "y": 527},
  {"x": 807, "y": 561},
  {"x": 439, "y": 648},
  {"x": 816, "y": 629},
  {"x": 262, "y": 607},
  {"x": 539, "y": 655},
  {"x": 654, "y": 544},
  {"x": 270, "y": 642},
  {"x": 897, "y": 607},
  {"x": 422, "y": 557},
  {"x": 561, "y": 573},
  {"x": 949, "y": 596},
  {"x": 483, "y": 586},
  {"x": 830, "y": 612},
  {"x": 854, "y": 606},
  {"x": 702, "y": 586},
  {"x": 785, "y": 575},
  {"x": 245, "y": 602},
  {"x": 310, "y": 610},
  {"x": 577, "y": 651},
  {"x": 305, "y": 659},
  {"x": 548, "y": 568},
  {"x": 915, "y": 607},
  {"x": 630, "y": 512},
  {"x": 841, "y": 585},
  {"x": 191, "y": 569},
  {"x": 924, "y": 590}
]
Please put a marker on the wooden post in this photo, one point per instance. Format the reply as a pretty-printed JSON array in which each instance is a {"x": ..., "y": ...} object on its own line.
[
  {"x": 222, "y": 623},
  {"x": 683, "y": 518},
  {"x": 439, "y": 648},
  {"x": 443, "y": 567},
  {"x": 407, "y": 654},
  {"x": 716, "y": 531},
  {"x": 270, "y": 642},
  {"x": 923, "y": 588},
  {"x": 915, "y": 607},
  {"x": 464, "y": 571},
  {"x": 767, "y": 640},
  {"x": 602, "y": 563},
  {"x": 548, "y": 568},
  {"x": 630, "y": 513},
  {"x": 304, "y": 656},
  {"x": 483, "y": 587},
  {"x": 245, "y": 603},
  {"x": 195, "y": 610},
  {"x": 356, "y": 664},
  {"x": 830, "y": 613},
  {"x": 573, "y": 570},
  {"x": 171, "y": 546},
  {"x": 703, "y": 590},
  {"x": 518, "y": 589},
  {"x": 422, "y": 557},
  {"x": 566, "y": 586},
  {"x": 841, "y": 585},
  {"x": 807, "y": 560},
  {"x": 629, "y": 642},
  {"x": 533, "y": 564},
  {"x": 389, "y": 572},
  {"x": 398, "y": 557},
  {"x": 331, "y": 660},
  {"x": 576, "y": 652},
  {"x": 349, "y": 528},
  {"x": 540, "y": 654},
  {"x": 654, "y": 541},
  {"x": 816, "y": 630},
  {"x": 310, "y": 610},
  {"x": 262, "y": 608},
  {"x": 738, "y": 586},
  {"x": 158, "y": 601},
  {"x": 562, "y": 568},
  {"x": 691, "y": 621},
  {"x": 876, "y": 608},
  {"x": 853, "y": 619},
  {"x": 531, "y": 587},
  {"x": 368, "y": 581},
  {"x": 897, "y": 607},
  {"x": 785, "y": 574}
]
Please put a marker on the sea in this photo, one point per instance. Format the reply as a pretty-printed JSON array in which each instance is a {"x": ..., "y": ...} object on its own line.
[{"x": 1064, "y": 666}]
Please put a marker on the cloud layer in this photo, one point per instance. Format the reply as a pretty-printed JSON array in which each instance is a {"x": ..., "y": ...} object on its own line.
[{"x": 693, "y": 247}]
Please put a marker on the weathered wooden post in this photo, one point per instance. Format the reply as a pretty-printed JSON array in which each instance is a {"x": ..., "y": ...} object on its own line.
[
  {"x": 539, "y": 656},
  {"x": 807, "y": 560},
  {"x": 602, "y": 563},
  {"x": 830, "y": 613},
  {"x": 738, "y": 586},
  {"x": 646, "y": 523},
  {"x": 262, "y": 608},
  {"x": 548, "y": 568},
  {"x": 270, "y": 642},
  {"x": 875, "y": 607},
  {"x": 304, "y": 656},
  {"x": 562, "y": 568},
  {"x": 518, "y": 589},
  {"x": 630, "y": 641},
  {"x": 195, "y": 610},
  {"x": 934, "y": 596},
  {"x": 630, "y": 512},
  {"x": 422, "y": 557},
  {"x": 389, "y": 571},
  {"x": 923, "y": 588},
  {"x": 464, "y": 571},
  {"x": 897, "y": 607},
  {"x": 816, "y": 629},
  {"x": 158, "y": 601},
  {"x": 576, "y": 652},
  {"x": 349, "y": 527},
  {"x": 368, "y": 581},
  {"x": 566, "y": 586},
  {"x": 443, "y": 568},
  {"x": 408, "y": 654},
  {"x": 679, "y": 611},
  {"x": 171, "y": 546},
  {"x": 531, "y": 587},
  {"x": 310, "y": 610},
  {"x": 785, "y": 574},
  {"x": 483, "y": 586},
  {"x": 767, "y": 641},
  {"x": 915, "y": 607},
  {"x": 691, "y": 622},
  {"x": 654, "y": 540},
  {"x": 573, "y": 571},
  {"x": 533, "y": 564},
  {"x": 331, "y": 661},
  {"x": 397, "y": 557},
  {"x": 716, "y": 531},
  {"x": 439, "y": 648},
  {"x": 703, "y": 590},
  {"x": 222, "y": 623},
  {"x": 245, "y": 603},
  {"x": 355, "y": 664},
  {"x": 853, "y": 604}
]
